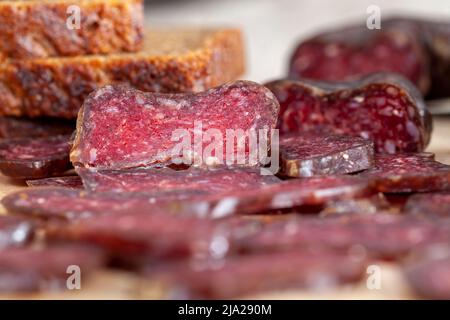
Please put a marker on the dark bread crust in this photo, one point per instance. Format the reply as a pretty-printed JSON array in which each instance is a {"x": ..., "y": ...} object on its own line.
[
  {"x": 57, "y": 87},
  {"x": 37, "y": 29}
]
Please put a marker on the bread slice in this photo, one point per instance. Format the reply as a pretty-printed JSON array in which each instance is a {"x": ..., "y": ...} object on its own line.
[
  {"x": 47, "y": 28},
  {"x": 173, "y": 60}
]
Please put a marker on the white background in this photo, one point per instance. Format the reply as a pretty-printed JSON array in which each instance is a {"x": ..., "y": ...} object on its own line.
[{"x": 273, "y": 27}]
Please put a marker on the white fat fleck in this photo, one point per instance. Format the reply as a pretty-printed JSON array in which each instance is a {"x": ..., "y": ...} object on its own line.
[
  {"x": 345, "y": 156},
  {"x": 140, "y": 100},
  {"x": 358, "y": 99},
  {"x": 219, "y": 247},
  {"x": 92, "y": 155},
  {"x": 159, "y": 116},
  {"x": 282, "y": 200},
  {"x": 412, "y": 130},
  {"x": 212, "y": 161},
  {"x": 306, "y": 168},
  {"x": 112, "y": 109},
  {"x": 20, "y": 234},
  {"x": 364, "y": 134},
  {"x": 102, "y": 91},
  {"x": 148, "y": 106},
  {"x": 224, "y": 208},
  {"x": 389, "y": 146}
]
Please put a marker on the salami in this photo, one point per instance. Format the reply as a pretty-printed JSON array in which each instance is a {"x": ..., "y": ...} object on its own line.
[
  {"x": 305, "y": 155},
  {"x": 15, "y": 231},
  {"x": 369, "y": 205},
  {"x": 12, "y": 127},
  {"x": 72, "y": 182},
  {"x": 33, "y": 269},
  {"x": 74, "y": 204},
  {"x": 428, "y": 272},
  {"x": 435, "y": 205},
  {"x": 249, "y": 275},
  {"x": 120, "y": 127},
  {"x": 384, "y": 108},
  {"x": 380, "y": 235},
  {"x": 354, "y": 52},
  {"x": 408, "y": 173},
  {"x": 33, "y": 158},
  {"x": 65, "y": 203},
  {"x": 143, "y": 237},
  {"x": 215, "y": 180}
]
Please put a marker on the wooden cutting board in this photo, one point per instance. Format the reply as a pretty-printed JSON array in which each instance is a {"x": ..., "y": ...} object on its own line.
[{"x": 121, "y": 285}]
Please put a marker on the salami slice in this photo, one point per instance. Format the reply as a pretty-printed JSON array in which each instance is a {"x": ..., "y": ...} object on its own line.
[
  {"x": 120, "y": 127},
  {"x": 428, "y": 271},
  {"x": 12, "y": 127},
  {"x": 215, "y": 180},
  {"x": 353, "y": 52},
  {"x": 33, "y": 158},
  {"x": 32, "y": 269},
  {"x": 305, "y": 155},
  {"x": 65, "y": 203},
  {"x": 408, "y": 173},
  {"x": 15, "y": 231},
  {"x": 380, "y": 235},
  {"x": 73, "y": 204},
  {"x": 384, "y": 108},
  {"x": 436, "y": 205},
  {"x": 249, "y": 275},
  {"x": 142, "y": 237},
  {"x": 72, "y": 182}
]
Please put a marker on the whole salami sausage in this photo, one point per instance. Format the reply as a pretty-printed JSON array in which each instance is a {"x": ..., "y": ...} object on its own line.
[
  {"x": 353, "y": 52},
  {"x": 384, "y": 108},
  {"x": 33, "y": 158},
  {"x": 119, "y": 127},
  {"x": 306, "y": 154}
]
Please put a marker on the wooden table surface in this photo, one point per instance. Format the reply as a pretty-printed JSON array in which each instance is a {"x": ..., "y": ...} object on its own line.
[{"x": 121, "y": 285}]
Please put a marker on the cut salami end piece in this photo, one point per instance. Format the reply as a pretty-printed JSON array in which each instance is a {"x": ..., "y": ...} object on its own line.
[
  {"x": 384, "y": 108},
  {"x": 255, "y": 274},
  {"x": 12, "y": 127},
  {"x": 414, "y": 172},
  {"x": 356, "y": 51},
  {"x": 379, "y": 235},
  {"x": 33, "y": 158},
  {"x": 15, "y": 231},
  {"x": 32, "y": 269},
  {"x": 214, "y": 180},
  {"x": 119, "y": 127},
  {"x": 72, "y": 182},
  {"x": 306, "y": 154},
  {"x": 435, "y": 205}
]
